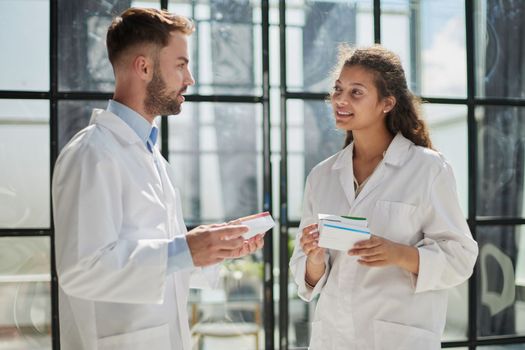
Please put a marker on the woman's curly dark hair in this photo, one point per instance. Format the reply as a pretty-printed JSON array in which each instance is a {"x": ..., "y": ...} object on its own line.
[{"x": 390, "y": 80}]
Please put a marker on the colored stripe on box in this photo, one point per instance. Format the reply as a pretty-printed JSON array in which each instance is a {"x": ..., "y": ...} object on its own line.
[{"x": 347, "y": 229}]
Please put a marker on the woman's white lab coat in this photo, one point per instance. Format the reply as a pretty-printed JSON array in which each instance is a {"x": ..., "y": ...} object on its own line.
[
  {"x": 114, "y": 216},
  {"x": 410, "y": 199}
]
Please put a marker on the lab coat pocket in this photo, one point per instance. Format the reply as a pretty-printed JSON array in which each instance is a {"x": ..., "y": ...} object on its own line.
[
  {"x": 394, "y": 220},
  {"x": 316, "y": 341},
  {"x": 144, "y": 339},
  {"x": 396, "y": 336}
]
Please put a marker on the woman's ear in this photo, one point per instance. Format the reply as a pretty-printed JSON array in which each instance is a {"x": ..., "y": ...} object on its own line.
[{"x": 390, "y": 103}]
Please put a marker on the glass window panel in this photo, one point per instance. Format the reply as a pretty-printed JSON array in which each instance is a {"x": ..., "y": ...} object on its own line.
[
  {"x": 275, "y": 160},
  {"x": 395, "y": 32},
  {"x": 230, "y": 316},
  {"x": 456, "y": 326},
  {"x": 501, "y": 347},
  {"x": 224, "y": 28},
  {"x": 448, "y": 131},
  {"x": 273, "y": 15},
  {"x": 73, "y": 116},
  {"x": 312, "y": 137},
  {"x": 24, "y": 63},
  {"x": 83, "y": 63},
  {"x": 183, "y": 8},
  {"x": 217, "y": 150},
  {"x": 314, "y": 31},
  {"x": 501, "y": 301},
  {"x": 500, "y": 43},
  {"x": 275, "y": 57},
  {"x": 275, "y": 149},
  {"x": 24, "y": 155},
  {"x": 501, "y": 148},
  {"x": 429, "y": 37},
  {"x": 25, "y": 293},
  {"x": 300, "y": 313}
]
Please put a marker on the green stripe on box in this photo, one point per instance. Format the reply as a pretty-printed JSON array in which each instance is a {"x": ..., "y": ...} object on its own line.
[{"x": 353, "y": 217}]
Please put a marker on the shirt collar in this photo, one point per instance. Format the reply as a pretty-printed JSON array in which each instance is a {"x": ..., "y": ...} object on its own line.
[
  {"x": 396, "y": 154},
  {"x": 133, "y": 119}
]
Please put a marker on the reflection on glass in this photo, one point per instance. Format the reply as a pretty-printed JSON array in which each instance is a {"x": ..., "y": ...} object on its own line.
[
  {"x": 230, "y": 317},
  {"x": 501, "y": 282},
  {"x": 395, "y": 33},
  {"x": 448, "y": 131},
  {"x": 25, "y": 301},
  {"x": 300, "y": 313},
  {"x": 314, "y": 31},
  {"x": 73, "y": 116},
  {"x": 312, "y": 137},
  {"x": 83, "y": 63},
  {"x": 24, "y": 63},
  {"x": 429, "y": 37},
  {"x": 24, "y": 155},
  {"x": 456, "y": 326},
  {"x": 501, "y": 347},
  {"x": 226, "y": 46},
  {"x": 500, "y": 39},
  {"x": 216, "y": 148},
  {"x": 501, "y": 149}
]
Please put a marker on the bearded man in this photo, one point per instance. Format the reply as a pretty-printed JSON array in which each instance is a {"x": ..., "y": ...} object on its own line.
[{"x": 123, "y": 255}]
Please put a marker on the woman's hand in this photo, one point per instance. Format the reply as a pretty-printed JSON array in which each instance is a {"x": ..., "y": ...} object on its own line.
[
  {"x": 315, "y": 265},
  {"x": 310, "y": 245},
  {"x": 378, "y": 251}
]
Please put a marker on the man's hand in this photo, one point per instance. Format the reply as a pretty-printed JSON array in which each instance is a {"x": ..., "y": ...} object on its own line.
[
  {"x": 249, "y": 246},
  {"x": 211, "y": 244}
]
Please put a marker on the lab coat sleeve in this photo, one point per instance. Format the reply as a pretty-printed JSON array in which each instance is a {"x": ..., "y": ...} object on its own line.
[
  {"x": 447, "y": 253},
  {"x": 93, "y": 261},
  {"x": 298, "y": 259}
]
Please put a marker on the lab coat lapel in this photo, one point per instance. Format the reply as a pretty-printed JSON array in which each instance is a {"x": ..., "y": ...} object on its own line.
[
  {"x": 127, "y": 136},
  {"x": 376, "y": 179},
  {"x": 343, "y": 165},
  {"x": 176, "y": 228},
  {"x": 170, "y": 196}
]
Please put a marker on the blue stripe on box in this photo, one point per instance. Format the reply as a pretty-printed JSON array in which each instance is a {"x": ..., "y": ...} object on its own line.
[{"x": 346, "y": 228}]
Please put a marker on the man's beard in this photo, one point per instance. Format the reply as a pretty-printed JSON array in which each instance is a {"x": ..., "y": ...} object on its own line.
[{"x": 158, "y": 100}]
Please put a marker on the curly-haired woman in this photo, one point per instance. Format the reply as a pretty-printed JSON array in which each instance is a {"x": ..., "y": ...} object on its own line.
[{"x": 389, "y": 291}]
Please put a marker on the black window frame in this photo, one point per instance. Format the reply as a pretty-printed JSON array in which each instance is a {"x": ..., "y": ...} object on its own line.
[{"x": 54, "y": 95}]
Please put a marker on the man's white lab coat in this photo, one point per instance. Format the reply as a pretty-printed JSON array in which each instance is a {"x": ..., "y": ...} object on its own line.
[
  {"x": 115, "y": 213},
  {"x": 410, "y": 199}
]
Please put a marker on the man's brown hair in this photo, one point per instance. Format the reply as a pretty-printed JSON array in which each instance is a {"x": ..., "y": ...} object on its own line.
[{"x": 137, "y": 26}]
